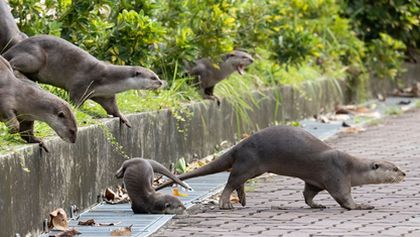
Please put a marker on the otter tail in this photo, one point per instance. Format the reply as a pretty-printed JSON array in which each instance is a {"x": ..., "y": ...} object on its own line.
[
  {"x": 223, "y": 163},
  {"x": 158, "y": 168}
]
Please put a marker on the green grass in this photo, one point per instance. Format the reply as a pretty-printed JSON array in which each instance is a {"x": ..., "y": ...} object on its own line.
[{"x": 393, "y": 110}]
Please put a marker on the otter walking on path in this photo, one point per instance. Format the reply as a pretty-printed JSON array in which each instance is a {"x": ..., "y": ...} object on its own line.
[
  {"x": 292, "y": 151},
  {"x": 23, "y": 101},
  {"x": 209, "y": 75},
  {"x": 55, "y": 61},
  {"x": 9, "y": 31},
  {"x": 138, "y": 180}
]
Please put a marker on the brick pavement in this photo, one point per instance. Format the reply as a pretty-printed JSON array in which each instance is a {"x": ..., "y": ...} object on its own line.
[{"x": 275, "y": 205}]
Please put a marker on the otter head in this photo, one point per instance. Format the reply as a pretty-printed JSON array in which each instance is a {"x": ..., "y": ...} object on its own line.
[
  {"x": 144, "y": 79},
  {"x": 168, "y": 204},
  {"x": 377, "y": 172},
  {"x": 239, "y": 60},
  {"x": 61, "y": 119}
]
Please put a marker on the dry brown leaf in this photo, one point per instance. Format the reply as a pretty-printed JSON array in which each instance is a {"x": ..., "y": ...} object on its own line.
[
  {"x": 353, "y": 130},
  {"x": 362, "y": 109},
  {"x": 234, "y": 199},
  {"x": 116, "y": 197},
  {"x": 90, "y": 222},
  {"x": 58, "y": 220},
  {"x": 67, "y": 233},
  {"x": 109, "y": 194},
  {"x": 125, "y": 231}
]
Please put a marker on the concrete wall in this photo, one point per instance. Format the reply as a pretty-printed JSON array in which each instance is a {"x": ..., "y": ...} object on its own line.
[{"x": 33, "y": 183}]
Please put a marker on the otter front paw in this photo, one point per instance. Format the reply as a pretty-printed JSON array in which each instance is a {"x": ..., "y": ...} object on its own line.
[
  {"x": 316, "y": 205},
  {"x": 43, "y": 147},
  {"x": 124, "y": 121},
  {"x": 225, "y": 205},
  {"x": 363, "y": 207}
]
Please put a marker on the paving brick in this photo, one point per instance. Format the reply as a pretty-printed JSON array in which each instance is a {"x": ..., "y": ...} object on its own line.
[{"x": 275, "y": 205}]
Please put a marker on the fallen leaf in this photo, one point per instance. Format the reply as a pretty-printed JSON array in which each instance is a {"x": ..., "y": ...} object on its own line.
[
  {"x": 109, "y": 194},
  {"x": 404, "y": 102},
  {"x": 109, "y": 224},
  {"x": 90, "y": 222},
  {"x": 177, "y": 193},
  {"x": 58, "y": 220},
  {"x": 117, "y": 197},
  {"x": 67, "y": 233},
  {"x": 234, "y": 199},
  {"x": 362, "y": 109},
  {"x": 125, "y": 231},
  {"x": 354, "y": 130},
  {"x": 245, "y": 135},
  {"x": 380, "y": 97},
  {"x": 344, "y": 124}
]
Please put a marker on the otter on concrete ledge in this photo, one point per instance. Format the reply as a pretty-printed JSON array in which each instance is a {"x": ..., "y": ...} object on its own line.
[
  {"x": 23, "y": 101},
  {"x": 208, "y": 75},
  {"x": 292, "y": 151},
  {"x": 55, "y": 61},
  {"x": 138, "y": 180}
]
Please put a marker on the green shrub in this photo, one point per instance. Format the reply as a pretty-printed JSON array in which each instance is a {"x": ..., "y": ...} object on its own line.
[
  {"x": 399, "y": 19},
  {"x": 386, "y": 56}
]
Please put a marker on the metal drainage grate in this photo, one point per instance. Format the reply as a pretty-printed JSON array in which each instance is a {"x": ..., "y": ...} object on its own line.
[{"x": 143, "y": 224}]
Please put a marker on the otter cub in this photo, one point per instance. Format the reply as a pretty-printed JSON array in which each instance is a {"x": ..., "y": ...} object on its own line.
[
  {"x": 209, "y": 75},
  {"x": 22, "y": 102},
  {"x": 138, "y": 180},
  {"x": 9, "y": 31}
]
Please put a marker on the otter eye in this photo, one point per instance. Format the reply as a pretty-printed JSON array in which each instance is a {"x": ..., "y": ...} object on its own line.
[
  {"x": 167, "y": 205},
  {"x": 138, "y": 74},
  {"x": 395, "y": 169},
  {"x": 375, "y": 166},
  {"x": 61, "y": 114}
]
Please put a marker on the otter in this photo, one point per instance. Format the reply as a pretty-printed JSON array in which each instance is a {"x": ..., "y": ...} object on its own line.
[
  {"x": 291, "y": 151},
  {"x": 138, "y": 180},
  {"x": 51, "y": 60},
  {"x": 209, "y": 75},
  {"x": 9, "y": 31},
  {"x": 23, "y": 101}
]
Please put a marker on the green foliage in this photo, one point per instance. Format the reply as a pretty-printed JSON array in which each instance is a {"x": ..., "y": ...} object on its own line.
[
  {"x": 387, "y": 55},
  {"x": 399, "y": 19}
]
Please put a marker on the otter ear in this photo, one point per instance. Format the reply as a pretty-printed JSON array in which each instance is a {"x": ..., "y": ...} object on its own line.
[
  {"x": 61, "y": 114},
  {"x": 375, "y": 166},
  {"x": 227, "y": 56}
]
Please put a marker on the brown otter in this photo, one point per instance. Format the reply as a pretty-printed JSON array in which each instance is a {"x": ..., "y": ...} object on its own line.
[
  {"x": 138, "y": 180},
  {"x": 294, "y": 152},
  {"x": 209, "y": 75},
  {"x": 22, "y": 102},
  {"x": 9, "y": 31},
  {"x": 55, "y": 61}
]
